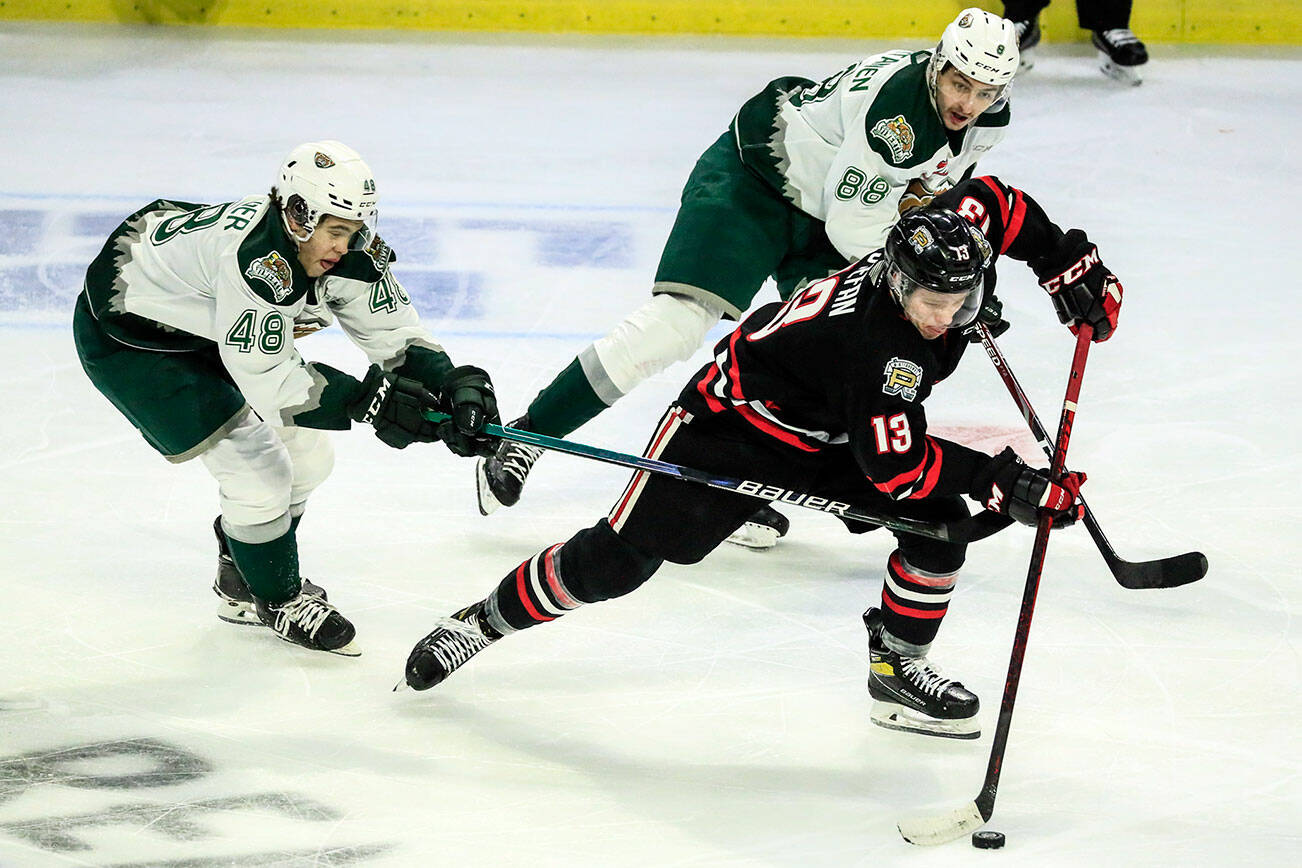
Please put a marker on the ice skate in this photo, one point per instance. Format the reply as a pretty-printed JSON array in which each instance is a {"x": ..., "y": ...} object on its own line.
[
  {"x": 453, "y": 642},
  {"x": 910, "y": 695},
  {"x": 1121, "y": 54},
  {"x": 499, "y": 478},
  {"x": 1028, "y": 37},
  {"x": 234, "y": 599},
  {"x": 762, "y": 530},
  {"x": 310, "y": 621}
]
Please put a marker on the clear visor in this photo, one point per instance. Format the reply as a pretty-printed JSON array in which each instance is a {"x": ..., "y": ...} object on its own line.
[
  {"x": 939, "y": 310},
  {"x": 362, "y": 237}
]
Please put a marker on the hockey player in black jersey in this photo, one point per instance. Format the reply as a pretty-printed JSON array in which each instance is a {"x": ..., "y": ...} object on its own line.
[{"x": 825, "y": 393}]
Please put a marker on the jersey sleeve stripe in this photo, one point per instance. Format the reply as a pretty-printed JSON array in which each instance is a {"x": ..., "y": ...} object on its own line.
[
  {"x": 919, "y": 482},
  {"x": 893, "y": 487},
  {"x": 999, "y": 197},
  {"x": 1015, "y": 221}
]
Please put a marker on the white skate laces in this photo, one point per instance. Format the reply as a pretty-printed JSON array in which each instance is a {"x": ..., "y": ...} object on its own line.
[
  {"x": 306, "y": 611},
  {"x": 925, "y": 676},
  {"x": 1119, "y": 36},
  {"x": 457, "y": 644},
  {"x": 518, "y": 459}
]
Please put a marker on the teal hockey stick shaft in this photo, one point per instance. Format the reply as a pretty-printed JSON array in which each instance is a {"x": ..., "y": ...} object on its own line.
[{"x": 979, "y": 526}]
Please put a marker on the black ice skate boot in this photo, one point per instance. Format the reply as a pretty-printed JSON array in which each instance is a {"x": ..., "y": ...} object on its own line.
[
  {"x": 1121, "y": 54},
  {"x": 454, "y": 641},
  {"x": 234, "y": 599},
  {"x": 762, "y": 530},
  {"x": 500, "y": 477},
  {"x": 1028, "y": 37},
  {"x": 910, "y": 695},
  {"x": 310, "y": 621}
]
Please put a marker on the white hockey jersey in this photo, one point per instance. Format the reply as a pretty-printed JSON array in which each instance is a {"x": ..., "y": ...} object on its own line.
[
  {"x": 180, "y": 277},
  {"x": 845, "y": 150}
]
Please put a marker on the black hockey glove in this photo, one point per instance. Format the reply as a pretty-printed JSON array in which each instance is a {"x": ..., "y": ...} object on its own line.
[
  {"x": 992, "y": 314},
  {"x": 1081, "y": 286},
  {"x": 1007, "y": 486},
  {"x": 394, "y": 405},
  {"x": 467, "y": 397}
]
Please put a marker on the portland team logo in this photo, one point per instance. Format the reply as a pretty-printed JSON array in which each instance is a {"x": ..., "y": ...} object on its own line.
[
  {"x": 902, "y": 378},
  {"x": 274, "y": 271}
]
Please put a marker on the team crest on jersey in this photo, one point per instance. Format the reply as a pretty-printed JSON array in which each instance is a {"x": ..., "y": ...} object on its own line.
[
  {"x": 323, "y": 161},
  {"x": 897, "y": 135},
  {"x": 274, "y": 271},
  {"x": 379, "y": 252},
  {"x": 902, "y": 378}
]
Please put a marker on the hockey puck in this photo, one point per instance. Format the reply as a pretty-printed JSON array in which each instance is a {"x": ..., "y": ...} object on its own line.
[{"x": 987, "y": 840}]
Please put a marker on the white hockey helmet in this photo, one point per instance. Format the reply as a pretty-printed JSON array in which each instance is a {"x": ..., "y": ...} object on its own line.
[
  {"x": 979, "y": 44},
  {"x": 327, "y": 178}
]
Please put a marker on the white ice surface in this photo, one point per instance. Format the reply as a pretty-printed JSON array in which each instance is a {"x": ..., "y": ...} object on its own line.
[{"x": 717, "y": 716}]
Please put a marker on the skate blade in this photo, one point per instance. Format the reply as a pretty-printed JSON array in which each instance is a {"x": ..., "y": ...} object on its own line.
[
  {"x": 1125, "y": 74},
  {"x": 352, "y": 649},
  {"x": 488, "y": 504},
  {"x": 235, "y": 612},
  {"x": 890, "y": 715},
  {"x": 1026, "y": 60},
  {"x": 754, "y": 536}
]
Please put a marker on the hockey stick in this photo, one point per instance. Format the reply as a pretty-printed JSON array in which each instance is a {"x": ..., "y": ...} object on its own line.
[
  {"x": 1170, "y": 572},
  {"x": 979, "y": 526},
  {"x": 960, "y": 822}
]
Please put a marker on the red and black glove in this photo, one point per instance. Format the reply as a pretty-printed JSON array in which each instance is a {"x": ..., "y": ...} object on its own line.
[
  {"x": 1081, "y": 286},
  {"x": 1007, "y": 486}
]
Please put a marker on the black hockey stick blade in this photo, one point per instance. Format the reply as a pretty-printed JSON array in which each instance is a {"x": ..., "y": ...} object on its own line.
[
  {"x": 971, "y": 529},
  {"x": 1169, "y": 572}
]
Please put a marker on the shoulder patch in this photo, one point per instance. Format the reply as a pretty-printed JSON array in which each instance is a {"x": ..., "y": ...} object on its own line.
[
  {"x": 380, "y": 253},
  {"x": 903, "y": 378},
  {"x": 273, "y": 270},
  {"x": 897, "y": 135}
]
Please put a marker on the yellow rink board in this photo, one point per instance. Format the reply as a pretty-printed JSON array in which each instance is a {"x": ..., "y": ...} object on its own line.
[{"x": 1276, "y": 22}]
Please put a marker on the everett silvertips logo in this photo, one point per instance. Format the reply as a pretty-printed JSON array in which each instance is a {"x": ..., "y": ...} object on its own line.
[
  {"x": 323, "y": 161},
  {"x": 274, "y": 271},
  {"x": 897, "y": 135},
  {"x": 902, "y": 378}
]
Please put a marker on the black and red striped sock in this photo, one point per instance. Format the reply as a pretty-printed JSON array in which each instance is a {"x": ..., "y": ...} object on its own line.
[{"x": 913, "y": 603}]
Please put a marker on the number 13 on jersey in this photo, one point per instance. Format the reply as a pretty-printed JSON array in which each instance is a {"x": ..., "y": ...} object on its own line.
[{"x": 892, "y": 433}]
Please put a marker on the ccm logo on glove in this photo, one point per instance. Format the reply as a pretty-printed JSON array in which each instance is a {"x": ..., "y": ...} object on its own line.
[
  {"x": 1073, "y": 272},
  {"x": 377, "y": 401}
]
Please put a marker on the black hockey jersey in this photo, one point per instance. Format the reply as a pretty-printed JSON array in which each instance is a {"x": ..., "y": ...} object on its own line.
[{"x": 839, "y": 365}]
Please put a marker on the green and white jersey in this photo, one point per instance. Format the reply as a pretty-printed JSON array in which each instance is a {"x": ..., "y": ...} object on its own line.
[
  {"x": 844, "y": 151},
  {"x": 177, "y": 277}
]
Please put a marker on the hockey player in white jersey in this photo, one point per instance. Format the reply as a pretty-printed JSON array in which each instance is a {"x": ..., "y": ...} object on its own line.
[
  {"x": 808, "y": 178},
  {"x": 187, "y": 324}
]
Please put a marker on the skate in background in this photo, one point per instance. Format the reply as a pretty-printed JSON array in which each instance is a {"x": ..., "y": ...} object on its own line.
[{"x": 1120, "y": 53}]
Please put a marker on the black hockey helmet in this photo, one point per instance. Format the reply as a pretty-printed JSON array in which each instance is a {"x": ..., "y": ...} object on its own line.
[{"x": 936, "y": 250}]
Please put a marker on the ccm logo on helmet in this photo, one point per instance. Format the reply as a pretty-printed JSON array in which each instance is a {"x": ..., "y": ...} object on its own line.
[{"x": 1073, "y": 273}]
